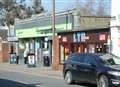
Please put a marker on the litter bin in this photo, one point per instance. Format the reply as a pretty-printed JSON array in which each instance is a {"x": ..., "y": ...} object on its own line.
[
  {"x": 13, "y": 58},
  {"x": 46, "y": 61},
  {"x": 31, "y": 60}
]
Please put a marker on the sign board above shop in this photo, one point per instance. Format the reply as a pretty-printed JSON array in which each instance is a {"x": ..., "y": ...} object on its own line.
[{"x": 41, "y": 31}]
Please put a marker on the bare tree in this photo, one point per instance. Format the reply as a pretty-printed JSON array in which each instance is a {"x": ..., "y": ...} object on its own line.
[
  {"x": 37, "y": 6},
  {"x": 8, "y": 4},
  {"x": 91, "y": 7},
  {"x": 2, "y": 15},
  {"x": 85, "y": 8},
  {"x": 101, "y": 8},
  {"x": 14, "y": 10}
]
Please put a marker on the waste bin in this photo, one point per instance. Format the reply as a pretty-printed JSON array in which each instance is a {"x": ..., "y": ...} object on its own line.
[
  {"x": 31, "y": 60},
  {"x": 13, "y": 58},
  {"x": 46, "y": 61}
]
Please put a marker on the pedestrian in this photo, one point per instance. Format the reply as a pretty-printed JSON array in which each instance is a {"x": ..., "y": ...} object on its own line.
[
  {"x": 25, "y": 56},
  {"x": 17, "y": 59}
]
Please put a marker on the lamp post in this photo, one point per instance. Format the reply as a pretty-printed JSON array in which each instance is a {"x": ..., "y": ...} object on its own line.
[{"x": 53, "y": 29}]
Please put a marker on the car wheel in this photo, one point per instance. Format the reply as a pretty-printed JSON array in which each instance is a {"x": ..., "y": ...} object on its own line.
[
  {"x": 68, "y": 77},
  {"x": 103, "y": 81}
]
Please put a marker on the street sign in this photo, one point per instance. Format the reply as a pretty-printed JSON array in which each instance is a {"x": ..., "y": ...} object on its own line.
[{"x": 11, "y": 39}]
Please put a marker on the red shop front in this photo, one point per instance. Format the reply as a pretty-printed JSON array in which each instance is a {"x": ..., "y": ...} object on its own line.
[{"x": 82, "y": 42}]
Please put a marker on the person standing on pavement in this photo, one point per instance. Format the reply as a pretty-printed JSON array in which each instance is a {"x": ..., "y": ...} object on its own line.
[
  {"x": 26, "y": 56},
  {"x": 17, "y": 53}
]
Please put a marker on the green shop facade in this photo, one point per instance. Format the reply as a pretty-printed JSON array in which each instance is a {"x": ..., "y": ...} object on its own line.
[{"x": 35, "y": 35}]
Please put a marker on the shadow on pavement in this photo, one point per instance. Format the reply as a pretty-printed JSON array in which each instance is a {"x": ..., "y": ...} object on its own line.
[{"x": 9, "y": 83}]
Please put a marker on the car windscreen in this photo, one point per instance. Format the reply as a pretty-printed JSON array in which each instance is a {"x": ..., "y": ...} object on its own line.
[{"x": 108, "y": 59}]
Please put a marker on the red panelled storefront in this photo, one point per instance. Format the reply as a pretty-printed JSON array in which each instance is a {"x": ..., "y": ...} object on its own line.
[{"x": 94, "y": 41}]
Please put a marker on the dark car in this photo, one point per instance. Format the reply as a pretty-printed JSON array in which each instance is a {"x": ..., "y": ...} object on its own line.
[{"x": 100, "y": 69}]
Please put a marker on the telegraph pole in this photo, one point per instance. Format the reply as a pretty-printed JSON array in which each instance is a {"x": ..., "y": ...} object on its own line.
[
  {"x": 53, "y": 18},
  {"x": 53, "y": 31}
]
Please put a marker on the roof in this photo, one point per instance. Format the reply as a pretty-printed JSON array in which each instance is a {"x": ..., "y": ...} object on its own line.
[{"x": 49, "y": 15}]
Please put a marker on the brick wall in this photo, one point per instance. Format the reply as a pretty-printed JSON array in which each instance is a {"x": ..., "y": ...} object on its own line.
[
  {"x": 56, "y": 57},
  {"x": 4, "y": 52}
]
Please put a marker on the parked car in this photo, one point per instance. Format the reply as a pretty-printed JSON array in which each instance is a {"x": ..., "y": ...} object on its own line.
[{"x": 100, "y": 69}]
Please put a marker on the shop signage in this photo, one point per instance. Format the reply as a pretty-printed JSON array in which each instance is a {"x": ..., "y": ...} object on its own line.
[
  {"x": 79, "y": 37},
  {"x": 102, "y": 37},
  {"x": 64, "y": 39},
  {"x": 14, "y": 38},
  {"x": 41, "y": 31},
  {"x": 87, "y": 37}
]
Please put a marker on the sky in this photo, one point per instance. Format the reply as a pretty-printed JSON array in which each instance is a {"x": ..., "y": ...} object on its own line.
[
  {"x": 47, "y": 4},
  {"x": 62, "y": 5}
]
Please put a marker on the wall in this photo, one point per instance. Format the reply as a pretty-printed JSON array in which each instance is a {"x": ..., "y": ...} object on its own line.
[
  {"x": 56, "y": 60},
  {"x": 115, "y": 28},
  {"x": 4, "y": 52},
  {"x": 94, "y": 22}
]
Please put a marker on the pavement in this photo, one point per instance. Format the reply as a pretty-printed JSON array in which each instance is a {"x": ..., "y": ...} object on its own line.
[{"x": 36, "y": 71}]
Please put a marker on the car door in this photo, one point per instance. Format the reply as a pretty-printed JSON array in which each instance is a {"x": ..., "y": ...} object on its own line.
[
  {"x": 79, "y": 68},
  {"x": 90, "y": 66},
  {"x": 73, "y": 66}
]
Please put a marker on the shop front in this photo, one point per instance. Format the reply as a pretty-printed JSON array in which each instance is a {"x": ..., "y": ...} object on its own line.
[
  {"x": 36, "y": 35},
  {"x": 32, "y": 41},
  {"x": 92, "y": 41}
]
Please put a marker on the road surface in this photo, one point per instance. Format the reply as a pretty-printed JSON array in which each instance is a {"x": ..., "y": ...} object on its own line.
[{"x": 13, "y": 79}]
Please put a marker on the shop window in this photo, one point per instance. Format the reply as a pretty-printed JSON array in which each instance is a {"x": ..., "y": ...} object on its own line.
[
  {"x": 101, "y": 48},
  {"x": 61, "y": 54},
  {"x": 64, "y": 53},
  {"x": 32, "y": 46},
  {"x": 79, "y": 49},
  {"x": 91, "y": 48}
]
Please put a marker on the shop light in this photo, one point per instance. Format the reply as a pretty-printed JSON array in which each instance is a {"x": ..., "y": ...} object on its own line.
[{"x": 59, "y": 36}]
